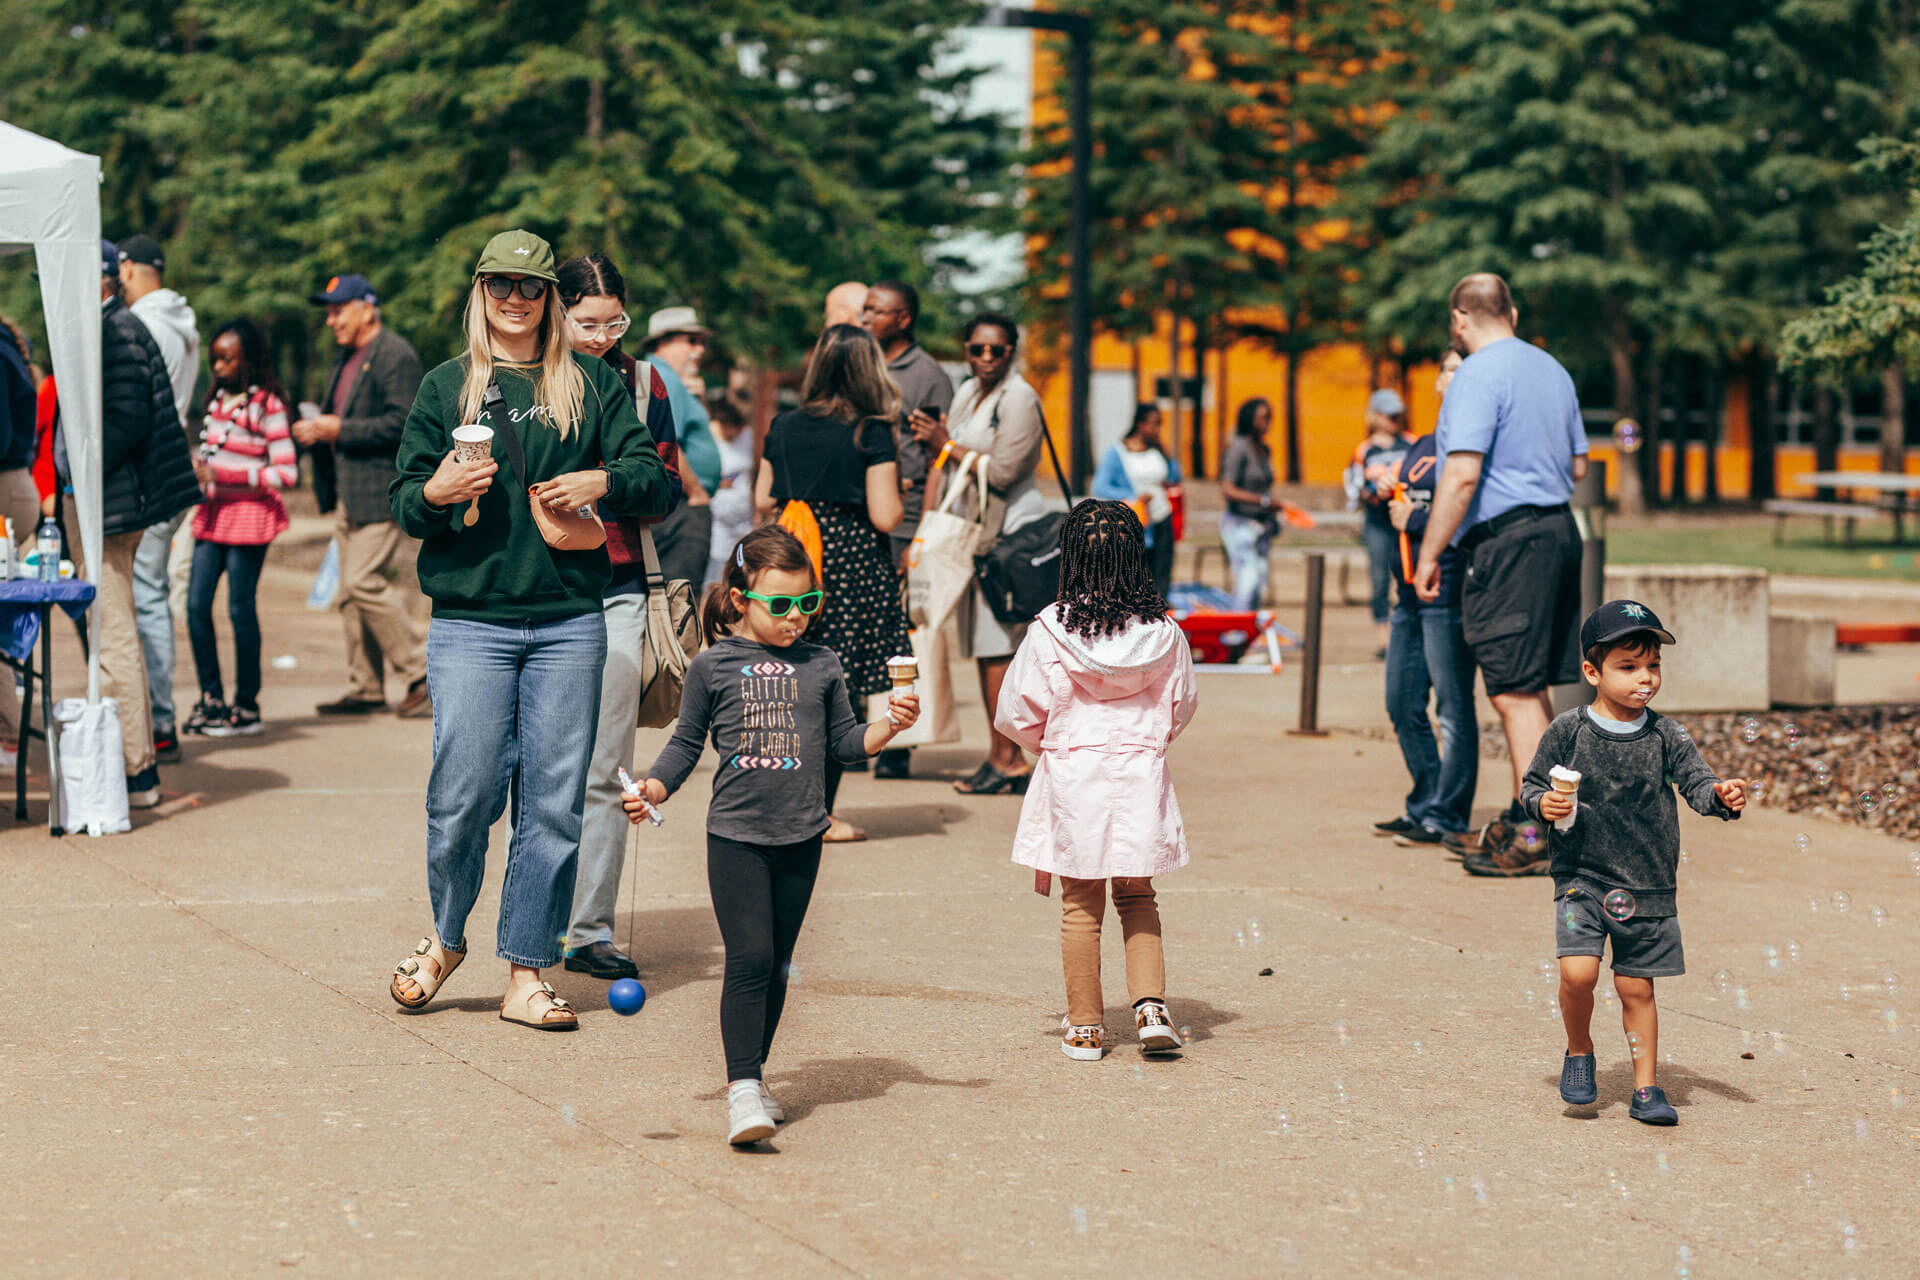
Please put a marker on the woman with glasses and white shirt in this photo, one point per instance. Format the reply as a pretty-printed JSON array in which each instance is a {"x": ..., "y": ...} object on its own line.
[
  {"x": 996, "y": 415},
  {"x": 595, "y": 296}
]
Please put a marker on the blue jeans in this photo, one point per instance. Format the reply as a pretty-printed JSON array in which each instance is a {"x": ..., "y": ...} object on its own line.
[
  {"x": 242, "y": 567},
  {"x": 514, "y": 706},
  {"x": 153, "y": 618},
  {"x": 1248, "y": 543},
  {"x": 1426, "y": 652},
  {"x": 1383, "y": 547}
]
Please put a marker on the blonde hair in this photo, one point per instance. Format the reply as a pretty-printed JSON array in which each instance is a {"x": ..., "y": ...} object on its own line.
[
  {"x": 559, "y": 393},
  {"x": 847, "y": 378}
]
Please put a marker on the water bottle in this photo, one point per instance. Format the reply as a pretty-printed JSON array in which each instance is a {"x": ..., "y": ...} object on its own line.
[{"x": 46, "y": 546}]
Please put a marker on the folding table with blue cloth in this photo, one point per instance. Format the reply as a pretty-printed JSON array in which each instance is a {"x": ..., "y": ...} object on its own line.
[{"x": 26, "y": 609}]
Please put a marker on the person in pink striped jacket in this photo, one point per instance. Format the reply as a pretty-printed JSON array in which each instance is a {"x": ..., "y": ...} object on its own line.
[{"x": 247, "y": 457}]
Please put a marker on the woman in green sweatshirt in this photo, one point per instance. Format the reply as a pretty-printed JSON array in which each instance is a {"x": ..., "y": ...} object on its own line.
[{"x": 518, "y": 638}]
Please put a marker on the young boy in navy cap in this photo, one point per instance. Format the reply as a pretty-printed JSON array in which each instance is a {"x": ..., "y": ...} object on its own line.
[{"x": 1604, "y": 777}]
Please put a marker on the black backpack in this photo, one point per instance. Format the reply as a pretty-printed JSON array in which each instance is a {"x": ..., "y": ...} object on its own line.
[{"x": 1020, "y": 574}]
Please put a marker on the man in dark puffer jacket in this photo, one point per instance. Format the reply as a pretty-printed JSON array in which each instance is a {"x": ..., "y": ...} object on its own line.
[{"x": 147, "y": 477}]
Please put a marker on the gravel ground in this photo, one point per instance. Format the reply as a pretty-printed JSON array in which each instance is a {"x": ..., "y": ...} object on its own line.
[{"x": 1850, "y": 764}]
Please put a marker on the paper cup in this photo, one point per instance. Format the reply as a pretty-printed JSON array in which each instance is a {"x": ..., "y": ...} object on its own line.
[{"x": 473, "y": 443}]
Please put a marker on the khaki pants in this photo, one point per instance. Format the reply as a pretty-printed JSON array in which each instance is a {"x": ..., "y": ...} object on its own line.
[
  {"x": 1082, "y": 904},
  {"x": 380, "y": 629},
  {"x": 20, "y": 503},
  {"x": 123, "y": 670}
]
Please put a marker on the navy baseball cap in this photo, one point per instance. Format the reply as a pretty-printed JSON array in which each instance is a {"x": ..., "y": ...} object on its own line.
[
  {"x": 345, "y": 289},
  {"x": 109, "y": 258},
  {"x": 145, "y": 250},
  {"x": 1617, "y": 618}
]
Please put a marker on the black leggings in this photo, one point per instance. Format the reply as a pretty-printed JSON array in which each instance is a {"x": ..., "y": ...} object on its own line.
[{"x": 760, "y": 895}]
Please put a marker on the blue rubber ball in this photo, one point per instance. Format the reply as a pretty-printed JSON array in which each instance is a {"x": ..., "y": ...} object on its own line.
[{"x": 626, "y": 996}]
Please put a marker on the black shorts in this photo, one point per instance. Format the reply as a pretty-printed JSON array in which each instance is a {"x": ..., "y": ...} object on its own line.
[
  {"x": 1642, "y": 948},
  {"x": 1520, "y": 603}
]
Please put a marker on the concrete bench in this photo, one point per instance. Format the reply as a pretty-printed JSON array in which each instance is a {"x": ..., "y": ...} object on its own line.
[
  {"x": 1781, "y": 509},
  {"x": 1719, "y": 615}
]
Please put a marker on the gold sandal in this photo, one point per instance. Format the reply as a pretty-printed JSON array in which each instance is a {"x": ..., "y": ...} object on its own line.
[
  {"x": 540, "y": 1008},
  {"x": 411, "y": 968}
]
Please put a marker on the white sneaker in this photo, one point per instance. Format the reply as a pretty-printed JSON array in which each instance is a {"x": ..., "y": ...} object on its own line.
[
  {"x": 1156, "y": 1029},
  {"x": 1082, "y": 1044},
  {"x": 775, "y": 1112},
  {"x": 747, "y": 1118}
]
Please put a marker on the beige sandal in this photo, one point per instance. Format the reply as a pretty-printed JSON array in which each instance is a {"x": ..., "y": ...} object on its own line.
[
  {"x": 429, "y": 983},
  {"x": 840, "y": 831},
  {"x": 540, "y": 1008}
]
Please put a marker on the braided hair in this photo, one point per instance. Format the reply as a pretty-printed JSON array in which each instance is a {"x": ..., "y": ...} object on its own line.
[{"x": 1105, "y": 582}]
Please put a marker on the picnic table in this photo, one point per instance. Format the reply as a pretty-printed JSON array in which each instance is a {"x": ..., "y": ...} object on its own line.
[
  {"x": 26, "y": 615},
  {"x": 1866, "y": 494}
]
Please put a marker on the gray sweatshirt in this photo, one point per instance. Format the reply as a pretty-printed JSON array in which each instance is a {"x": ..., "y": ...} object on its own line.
[
  {"x": 773, "y": 715},
  {"x": 1626, "y": 833}
]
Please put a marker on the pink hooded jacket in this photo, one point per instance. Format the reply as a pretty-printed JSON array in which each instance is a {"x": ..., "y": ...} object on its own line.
[{"x": 1100, "y": 714}]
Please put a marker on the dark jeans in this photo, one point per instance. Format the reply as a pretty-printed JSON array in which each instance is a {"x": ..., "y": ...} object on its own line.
[
  {"x": 1426, "y": 652},
  {"x": 1383, "y": 548},
  {"x": 760, "y": 895},
  {"x": 242, "y": 567}
]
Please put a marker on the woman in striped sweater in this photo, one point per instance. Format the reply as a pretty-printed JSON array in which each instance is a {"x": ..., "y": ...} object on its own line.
[{"x": 246, "y": 458}]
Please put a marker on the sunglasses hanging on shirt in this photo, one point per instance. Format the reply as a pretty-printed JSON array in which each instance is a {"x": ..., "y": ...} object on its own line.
[{"x": 501, "y": 287}]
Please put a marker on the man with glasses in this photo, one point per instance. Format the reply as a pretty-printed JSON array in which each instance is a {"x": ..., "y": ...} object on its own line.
[
  {"x": 353, "y": 442},
  {"x": 676, "y": 344},
  {"x": 926, "y": 393}
]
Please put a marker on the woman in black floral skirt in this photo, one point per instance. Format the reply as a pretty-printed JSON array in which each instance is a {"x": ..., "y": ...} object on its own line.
[{"x": 835, "y": 453}]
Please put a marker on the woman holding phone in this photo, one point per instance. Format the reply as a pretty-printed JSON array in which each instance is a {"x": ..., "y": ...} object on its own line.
[{"x": 518, "y": 639}]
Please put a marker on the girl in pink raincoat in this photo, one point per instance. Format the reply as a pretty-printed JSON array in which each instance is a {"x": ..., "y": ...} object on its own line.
[{"x": 1102, "y": 684}]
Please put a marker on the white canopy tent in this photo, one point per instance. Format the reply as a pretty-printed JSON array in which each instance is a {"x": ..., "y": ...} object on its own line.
[{"x": 50, "y": 203}]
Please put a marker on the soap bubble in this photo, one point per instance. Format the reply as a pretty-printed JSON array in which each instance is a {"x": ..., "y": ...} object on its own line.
[
  {"x": 1756, "y": 790},
  {"x": 1633, "y": 1045},
  {"x": 1913, "y": 862},
  {"x": 1619, "y": 904},
  {"x": 1842, "y": 899},
  {"x": 1822, "y": 773},
  {"x": 1889, "y": 981},
  {"x": 1547, "y": 968},
  {"x": 1793, "y": 735},
  {"x": 1619, "y": 1187},
  {"x": 1532, "y": 838},
  {"x": 1751, "y": 731},
  {"x": 1793, "y": 951},
  {"x": 1239, "y": 938},
  {"x": 1891, "y": 1017},
  {"x": 1772, "y": 955},
  {"x": 1803, "y": 844},
  {"x": 1889, "y": 792},
  {"x": 1723, "y": 980},
  {"x": 1340, "y": 1030},
  {"x": 1685, "y": 857},
  {"x": 1740, "y": 998},
  {"x": 1660, "y": 1159},
  {"x": 1681, "y": 1270},
  {"x": 1846, "y": 994},
  {"x": 1479, "y": 1191},
  {"x": 1627, "y": 436},
  {"x": 1877, "y": 915},
  {"x": 1285, "y": 1122},
  {"x": 1255, "y": 931},
  {"x": 1869, "y": 801}
]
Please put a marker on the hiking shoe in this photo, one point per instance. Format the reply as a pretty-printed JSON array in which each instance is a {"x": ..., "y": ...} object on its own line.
[
  {"x": 1576, "y": 1080},
  {"x": 210, "y": 710},
  {"x": 1508, "y": 860},
  {"x": 418, "y": 704},
  {"x": 1394, "y": 827},
  {"x": 143, "y": 788},
  {"x": 775, "y": 1112},
  {"x": 1156, "y": 1030},
  {"x": 1650, "y": 1106},
  {"x": 747, "y": 1118},
  {"x": 1418, "y": 837},
  {"x": 1461, "y": 843},
  {"x": 1083, "y": 1044},
  {"x": 166, "y": 747},
  {"x": 352, "y": 706},
  {"x": 241, "y": 722}
]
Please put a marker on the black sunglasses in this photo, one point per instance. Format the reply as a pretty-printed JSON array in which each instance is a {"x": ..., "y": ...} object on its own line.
[
  {"x": 530, "y": 289},
  {"x": 991, "y": 350}
]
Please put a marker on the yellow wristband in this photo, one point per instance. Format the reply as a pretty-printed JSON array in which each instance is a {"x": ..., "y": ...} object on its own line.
[{"x": 946, "y": 451}]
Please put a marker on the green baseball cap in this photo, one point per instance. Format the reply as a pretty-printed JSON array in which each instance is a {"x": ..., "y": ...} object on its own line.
[{"x": 517, "y": 253}]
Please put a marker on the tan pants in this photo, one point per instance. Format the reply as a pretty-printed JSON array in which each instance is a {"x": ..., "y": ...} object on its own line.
[
  {"x": 20, "y": 503},
  {"x": 123, "y": 670},
  {"x": 1082, "y": 904},
  {"x": 381, "y": 631}
]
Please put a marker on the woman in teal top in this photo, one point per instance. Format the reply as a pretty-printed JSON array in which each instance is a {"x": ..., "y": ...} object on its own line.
[{"x": 518, "y": 639}]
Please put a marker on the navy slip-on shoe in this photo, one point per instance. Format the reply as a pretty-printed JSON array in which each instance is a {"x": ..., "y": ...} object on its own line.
[
  {"x": 1650, "y": 1106},
  {"x": 1576, "y": 1080}
]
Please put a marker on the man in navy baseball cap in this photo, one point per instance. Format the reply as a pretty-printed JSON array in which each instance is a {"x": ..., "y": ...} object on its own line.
[{"x": 345, "y": 289}]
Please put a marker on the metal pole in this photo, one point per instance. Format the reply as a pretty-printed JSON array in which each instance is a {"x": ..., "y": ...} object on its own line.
[
  {"x": 1310, "y": 649},
  {"x": 1590, "y": 517},
  {"x": 1081, "y": 285}
]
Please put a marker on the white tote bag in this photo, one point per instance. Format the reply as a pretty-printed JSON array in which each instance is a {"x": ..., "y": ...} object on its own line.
[
  {"x": 91, "y": 791},
  {"x": 940, "y": 561},
  {"x": 937, "y": 722}
]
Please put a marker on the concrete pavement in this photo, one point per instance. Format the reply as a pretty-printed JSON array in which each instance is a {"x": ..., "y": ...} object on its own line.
[{"x": 202, "y": 1074}]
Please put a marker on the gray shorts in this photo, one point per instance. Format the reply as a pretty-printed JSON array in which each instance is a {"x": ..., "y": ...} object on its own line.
[{"x": 1642, "y": 948}]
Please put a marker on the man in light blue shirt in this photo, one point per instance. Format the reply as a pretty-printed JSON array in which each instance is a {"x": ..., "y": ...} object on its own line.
[{"x": 1511, "y": 446}]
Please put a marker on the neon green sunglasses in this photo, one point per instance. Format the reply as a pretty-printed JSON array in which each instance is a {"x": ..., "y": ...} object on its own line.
[{"x": 781, "y": 606}]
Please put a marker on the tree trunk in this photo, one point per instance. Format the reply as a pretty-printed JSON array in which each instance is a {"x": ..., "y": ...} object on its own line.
[
  {"x": 1633, "y": 498},
  {"x": 1893, "y": 418},
  {"x": 1763, "y": 392},
  {"x": 1826, "y": 434},
  {"x": 1197, "y": 446},
  {"x": 1290, "y": 233},
  {"x": 1173, "y": 376},
  {"x": 1716, "y": 410},
  {"x": 1293, "y": 413},
  {"x": 1652, "y": 465}
]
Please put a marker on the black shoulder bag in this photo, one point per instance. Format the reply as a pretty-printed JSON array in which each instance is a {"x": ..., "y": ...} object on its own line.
[{"x": 1020, "y": 574}]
